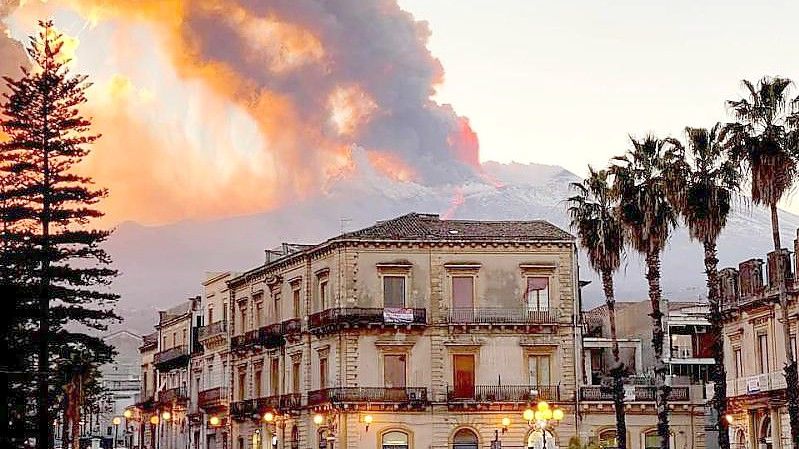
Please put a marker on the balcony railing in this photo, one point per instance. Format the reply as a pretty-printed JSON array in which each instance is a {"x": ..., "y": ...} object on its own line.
[
  {"x": 245, "y": 409},
  {"x": 407, "y": 395},
  {"x": 504, "y": 393},
  {"x": 171, "y": 358},
  {"x": 144, "y": 399},
  {"x": 177, "y": 394},
  {"x": 292, "y": 326},
  {"x": 290, "y": 402},
  {"x": 212, "y": 330},
  {"x": 641, "y": 393},
  {"x": 212, "y": 397},
  {"x": 756, "y": 384},
  {"x": 362, "y": 316},
  {"x": 499, "y": 315}
]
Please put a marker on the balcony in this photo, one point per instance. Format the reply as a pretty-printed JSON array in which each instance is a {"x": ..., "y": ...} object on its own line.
[
  {"x": 640, "y": 393},
  {"x": 290, "y": 402},
  {"x": 144, "y": 400},
  {"x": 760, "y": 383},
  {"x": 271, "y": 336},
  {"x": 246, "y": 409},
  {"x": 292, "y": 326},
  {"x": 499, "y": 316},
  {"x": 342, "y": 317},
  {"x": 173, "y": 395},
  {"x": 171, "y": 358},
  {"x": 504, "y": 393},
  {"x": 248, "y": 340},
  {"x": 212, "y": 398},
  {"x": 412, "y": 397},
  {"x": 213, "y": 330}
]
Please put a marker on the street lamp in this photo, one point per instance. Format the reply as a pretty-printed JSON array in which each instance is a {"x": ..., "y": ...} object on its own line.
[
  {"x": 214, "y": 421},
  {"x": 329, "y": 421},
  {"x": 368, "y": 420},
  {"x": 116, "y": 421},
  {"x": 542, "y": 417}
]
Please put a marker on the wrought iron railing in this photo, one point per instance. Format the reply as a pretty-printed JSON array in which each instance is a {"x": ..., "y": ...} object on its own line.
[
  {"x": 499, "y": 315},
  {"x": 212, "y": 397},
  {"x": 243, "y": 409},
  {"x": 290, "y": 402},
  {"x": 176, "y": 394},
  {"x": 367, "y": 394},
  {"x": 171, "y": 355},
  {"x": 212, "y": 330},
  {"x": 363, "y": 315},
  {"x": 504, "y": 393},
  {"x": 292, "y": 326},
  {"x": 641, "y": 394}
]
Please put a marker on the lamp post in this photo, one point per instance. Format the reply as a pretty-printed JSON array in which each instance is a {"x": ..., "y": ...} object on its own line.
[
  {"x": 116, "y": 421},
  {"x": 128, "y": 414},
  {"x": 542, "y": 418},
  {"x": 330, "y": 422},
  {"x": 153, "y": 424}
]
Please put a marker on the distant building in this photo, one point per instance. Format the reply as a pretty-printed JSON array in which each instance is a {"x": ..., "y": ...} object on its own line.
[
  {"x": 122, "y": 381},
  {"x": 686, "y": 353},
  {"x": 755, "y": 349}
]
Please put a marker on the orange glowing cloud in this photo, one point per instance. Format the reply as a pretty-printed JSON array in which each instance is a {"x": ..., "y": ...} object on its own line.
[{"x": 391, "y": 166}]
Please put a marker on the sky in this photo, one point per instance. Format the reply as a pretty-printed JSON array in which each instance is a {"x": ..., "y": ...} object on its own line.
[
  {"x": 566, "y": 82},
  {"x": 212, "y": 108}
]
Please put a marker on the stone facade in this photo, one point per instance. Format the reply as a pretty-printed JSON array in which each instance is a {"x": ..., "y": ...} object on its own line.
[{"x": 755, "y": 350}]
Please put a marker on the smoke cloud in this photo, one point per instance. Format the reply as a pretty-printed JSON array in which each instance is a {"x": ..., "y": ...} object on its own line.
[{"x": 276, "y": 94}]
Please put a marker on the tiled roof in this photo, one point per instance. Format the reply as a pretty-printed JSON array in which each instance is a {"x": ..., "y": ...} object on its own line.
[{"x": 416, "y": 226}]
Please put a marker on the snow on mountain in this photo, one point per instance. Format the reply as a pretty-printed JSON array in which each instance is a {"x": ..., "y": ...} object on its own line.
[{"x": 165, "y": 264}]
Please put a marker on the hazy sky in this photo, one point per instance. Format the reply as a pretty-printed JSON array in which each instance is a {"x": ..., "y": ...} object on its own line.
[{"x": 565, "y": 82}]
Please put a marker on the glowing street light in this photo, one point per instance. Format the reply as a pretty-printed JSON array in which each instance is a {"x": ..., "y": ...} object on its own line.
[
  {"x": 128, "y": 413},
  {"x": 268, "y": 417},
  {"x": 368, "y": 420},
  {"x": 318, "y": 419},
  {"x": 166, "y": 416},
  {"x": 154, "y": 420},
  {"x": 214, "y": 421},
  {"x": 543, "y": 416}
]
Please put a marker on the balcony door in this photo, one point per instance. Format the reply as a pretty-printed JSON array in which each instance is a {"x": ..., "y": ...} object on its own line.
[
  {"x": 463, "y": 298},
  {"x": 463, "y": 374},
  {"x": 394, "y": 370}
]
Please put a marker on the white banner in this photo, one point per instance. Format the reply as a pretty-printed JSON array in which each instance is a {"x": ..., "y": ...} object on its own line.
[{"x": 398, "y": 315}]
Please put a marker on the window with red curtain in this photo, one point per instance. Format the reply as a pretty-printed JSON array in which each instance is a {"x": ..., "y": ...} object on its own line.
[{"x": 537, "y": 293}]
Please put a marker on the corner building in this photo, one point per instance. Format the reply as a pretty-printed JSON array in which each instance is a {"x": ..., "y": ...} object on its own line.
[{"x": 416, "y": 332}]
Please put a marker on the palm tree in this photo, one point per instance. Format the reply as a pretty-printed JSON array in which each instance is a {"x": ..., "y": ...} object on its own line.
[
  {"x": 702, "y": 184},
  {"x": 764, "y": 141},
  {"x": 640, "y": 186},
  {"x": 592, "y": 213}
]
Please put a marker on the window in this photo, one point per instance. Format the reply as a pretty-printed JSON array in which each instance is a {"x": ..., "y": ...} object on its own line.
[
  {"x": 394, "y": 370},
  {"x": 224, "y": 313},
  {"x": 295, "y": 295},
  {"x": 210, "y": 314},
  {"x": 323, "y": 372},
  {"x": 325, "y": 439},
  {"x": 462, "y": 299},
  {"x": 394, "y": 291},
  {"x": 540, "y": 372},
  {"x": 274, "y": 381},
  {"x": 183, "y": 339},
  {"x": 242, "y": 319},
  {"x": 324, "y": 293},
  {"x": 277, "y": 307},
  {"x": 651, "y": 441},
  {"x": 607, "y": 439},
  {"x": 463, "y": 376},
  {"x": 174, "y": 338},
  {"x": 257, "y": 381},
  {"x": 762, "y": 353},
  {"x": 295, "y": 437},
  {"x": 537, "y": 294},
  {"x": 242, "y": 384},
  {"x": 395, "y": 440},
  {"x": 793, "y": 346},
  {"x": 538, "y": 440},
  {"x": 259, "y": 313},
  {"x": 295, "y": 376},
  {"x": 739, "y": 363},
  {"x": 210, "y": 379},
  {"x": 163, "y": 343},
  {"x": 464, "y": 439}
]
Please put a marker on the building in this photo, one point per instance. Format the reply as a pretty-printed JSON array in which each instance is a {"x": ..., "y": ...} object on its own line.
[
  {"x": 687, "y": 358},
  {"x": 121, "y": 380},
  {"x": 414, "y": 332},
  {"x": 144, "y": 408},
  {"x": 754, "y": 350},
  {"x": 210, "y": 368}
]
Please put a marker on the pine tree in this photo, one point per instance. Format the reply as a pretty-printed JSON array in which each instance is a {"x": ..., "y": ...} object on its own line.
[{"x": 65, "y": 269}]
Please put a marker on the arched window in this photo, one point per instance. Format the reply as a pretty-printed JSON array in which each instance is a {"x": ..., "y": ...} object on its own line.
[
  {"x": 740, "y": 440},
  {"x": 538, "y": 440},
  {"x": 295, "y": 438},
  {"x": 395, "y": 439},
  {"x": 325, "y": 439},
  {"x": 652, "y": 440},
  {"x": 764, "y": 438},
  {"x": 464, "y": 439},
  {"x": 607, "y": 439}
]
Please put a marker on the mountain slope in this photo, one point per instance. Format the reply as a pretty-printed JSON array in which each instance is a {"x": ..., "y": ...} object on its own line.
[{"x": 165, "y": 264}]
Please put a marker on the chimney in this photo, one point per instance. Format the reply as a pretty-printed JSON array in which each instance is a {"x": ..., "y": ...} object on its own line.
[
  {"x": 728, "y": 285},
  {"x": 750, "y": 277},
  {"x": 774, "y": 258}
]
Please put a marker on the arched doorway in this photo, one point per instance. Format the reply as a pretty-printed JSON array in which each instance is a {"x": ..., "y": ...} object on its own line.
[
  {"x": 764, "y": 436},
  {"x": 536, "y": 440},
  {"x": 464, "y": 439},
  {"x": 607, "y": 439},
  {"x": 395, "y": 439},
  {"x": 739, "y": 442}
]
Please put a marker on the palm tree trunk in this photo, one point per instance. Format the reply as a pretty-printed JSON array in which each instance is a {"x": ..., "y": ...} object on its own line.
[
  {"x": 662, "y": 390},
  {"x": 718, "y": 374},
  {"x": 618, "y": 368},
  {"x": 791, "y": 377}
]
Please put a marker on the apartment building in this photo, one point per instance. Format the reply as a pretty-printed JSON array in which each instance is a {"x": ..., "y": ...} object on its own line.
[
  {"x": 209, "y": 393},
  {"x": 415, "y": 332},
  {"x": 686, "y": 355},
  {"x": 755, "y": 349}
]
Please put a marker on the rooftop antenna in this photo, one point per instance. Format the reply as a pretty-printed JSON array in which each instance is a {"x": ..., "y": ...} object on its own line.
[{"x": 345, "y": 221}]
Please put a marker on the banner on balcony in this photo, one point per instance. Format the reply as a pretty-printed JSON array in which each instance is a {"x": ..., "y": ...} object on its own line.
[
  {"x": 398, "y": 315},
  {"x": 629, "y": 393},
  {"x": 753, "y": 385}
]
